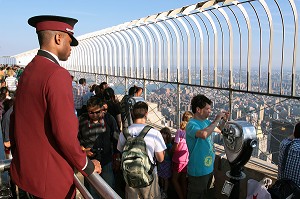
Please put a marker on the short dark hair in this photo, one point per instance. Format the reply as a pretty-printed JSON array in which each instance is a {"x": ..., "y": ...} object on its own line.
[
  {"x": 166, "y": 131},
  {"x": 109, "y": 94},
  {"x": 102, "y": 85},
  {"x": 82, "y": 80},
  {"x": 97, "y": 90},
  {"x": 134, "y": 89},
  {"x": 95, "y": 101},
  {"x": 297, "y": 130},
  {"x": 140, "y": 110},
  {"x": 199, "y": 101}
]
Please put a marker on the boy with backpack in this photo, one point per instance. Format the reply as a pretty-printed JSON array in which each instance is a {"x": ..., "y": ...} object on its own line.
[{"x": 141, "y": 145}]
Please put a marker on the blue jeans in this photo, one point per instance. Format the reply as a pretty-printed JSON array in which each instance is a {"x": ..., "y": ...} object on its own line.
[{"x": 107, "y": 175}]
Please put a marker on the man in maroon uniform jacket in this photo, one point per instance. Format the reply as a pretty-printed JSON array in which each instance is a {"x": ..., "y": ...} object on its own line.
[{"x": 44, "y": 126}]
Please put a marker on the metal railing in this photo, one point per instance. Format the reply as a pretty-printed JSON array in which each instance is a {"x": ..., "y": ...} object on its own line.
[
  {"x": 95, "y": 179},
  {"x": 239, "y": 53}
]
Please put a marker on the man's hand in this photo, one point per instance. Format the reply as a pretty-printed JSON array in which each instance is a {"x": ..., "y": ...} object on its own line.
[
  {"x": 98, "y": 168},
  {"x": 219, "y": 117}
]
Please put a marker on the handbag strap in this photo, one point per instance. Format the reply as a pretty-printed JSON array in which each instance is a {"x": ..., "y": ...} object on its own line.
[{"x": 286, "y": 151}]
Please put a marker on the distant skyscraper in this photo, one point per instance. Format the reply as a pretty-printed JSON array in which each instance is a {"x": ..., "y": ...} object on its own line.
[{"x": 261, "y": 114}]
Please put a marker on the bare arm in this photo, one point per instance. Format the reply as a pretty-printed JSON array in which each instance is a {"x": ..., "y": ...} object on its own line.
[
  {"x": 119, "y": 121},
  {"x": 160, "y": 156},
  {"x": 204, "y": 133},
  {"x": 174, "y": 147},
  {"x": 213, "y": 127}
]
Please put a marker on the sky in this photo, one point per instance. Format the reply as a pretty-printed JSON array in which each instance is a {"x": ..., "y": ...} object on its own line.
[{"x": 16, "y": 36}]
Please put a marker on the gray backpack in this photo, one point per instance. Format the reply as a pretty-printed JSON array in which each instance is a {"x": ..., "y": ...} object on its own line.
[{"x": 136, "y": 165}]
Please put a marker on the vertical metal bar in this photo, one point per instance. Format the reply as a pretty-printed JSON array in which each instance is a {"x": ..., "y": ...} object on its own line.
[
  {"x": 260, "y": 46},
  {"x": 222, "y": 50},
  {"x": 91, "y": 56},
  {"x": 119, "y": 65},
  {"x": 114, "y": 56},
  {"x": 169, "y": 42},
  {"x": 249, "y": 57},
  {"x": 188, "y": 47},
  {"x": 240, "y": 47},
  {"x": 143, "y": 54},
  {"x": 105, "y": 55},
  {"x": 270, "y": 20},
  {"x": 97, "y": 57},
  {"x": 215, "y": 46},
  {"x": 151, "y": 49},
  {"x": 231, "y": 37},
  {"x": 178, "y": 44},
  {"x": 123, "y": 71},
  {"x": 109, "y": 55},
  {"x": 282, "y": 48},
  {"x": 201, "y": 48},
  {"x": 137, "y": 52},
  {"x": 128, "y": 72},
  {"x": 296, "y": 25},
  {"x": 101, "y": 55},
  {"x": 159, "y": 36}
]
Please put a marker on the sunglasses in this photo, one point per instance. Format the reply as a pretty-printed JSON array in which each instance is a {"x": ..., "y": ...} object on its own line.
[{"x": 97, "y": 112}]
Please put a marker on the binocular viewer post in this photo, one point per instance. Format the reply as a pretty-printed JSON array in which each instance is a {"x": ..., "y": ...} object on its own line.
[{"x": 239, "y": 140}]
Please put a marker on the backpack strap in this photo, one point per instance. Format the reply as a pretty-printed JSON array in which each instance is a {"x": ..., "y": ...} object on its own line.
[
  {"x": 126, "y": 133},
  {"x": 142, "y": 134},
  {"x": 145, "y": 130}
]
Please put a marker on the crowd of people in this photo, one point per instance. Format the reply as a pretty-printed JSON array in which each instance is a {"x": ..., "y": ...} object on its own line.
[
  {"x": 9, "y": 76},
  {"x": 100, "y": 121},
  {"x": 74, "y": 126}
]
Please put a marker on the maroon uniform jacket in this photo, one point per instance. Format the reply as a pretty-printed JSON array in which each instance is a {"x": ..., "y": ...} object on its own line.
[{"x": 43, "y": 132}]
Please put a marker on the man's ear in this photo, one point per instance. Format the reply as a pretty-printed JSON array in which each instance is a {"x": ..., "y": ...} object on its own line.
[{"x": 58, "y": 38}]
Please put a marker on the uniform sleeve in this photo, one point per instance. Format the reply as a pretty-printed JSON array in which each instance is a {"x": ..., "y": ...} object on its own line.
[
  {"x": 5, "y": 126},
  {"x": 64, "y": 122},
  {"x": 11, "y": 132}
]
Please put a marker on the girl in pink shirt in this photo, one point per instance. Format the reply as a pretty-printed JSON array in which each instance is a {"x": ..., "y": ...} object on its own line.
[{"x": 181, "y": 157}]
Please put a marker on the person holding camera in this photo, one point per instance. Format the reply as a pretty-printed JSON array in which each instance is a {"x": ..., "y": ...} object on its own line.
[{"x": 96, "y": 136}]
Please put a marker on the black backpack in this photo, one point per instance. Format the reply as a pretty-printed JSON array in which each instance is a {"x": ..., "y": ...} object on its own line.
[{"x": 126, "y": 111}]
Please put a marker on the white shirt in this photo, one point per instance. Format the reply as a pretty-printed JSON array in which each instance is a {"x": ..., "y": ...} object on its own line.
[{"x": 154, "y": 140}]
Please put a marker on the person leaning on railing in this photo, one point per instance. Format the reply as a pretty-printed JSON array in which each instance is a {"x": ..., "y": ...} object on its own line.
[{"x": 44, "y": 127}]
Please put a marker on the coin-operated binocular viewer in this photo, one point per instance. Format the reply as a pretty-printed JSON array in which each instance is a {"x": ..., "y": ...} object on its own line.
[{"x": 239, "y": 141}]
